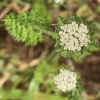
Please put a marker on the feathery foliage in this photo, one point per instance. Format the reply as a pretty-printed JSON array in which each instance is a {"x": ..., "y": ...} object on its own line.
[{"x": 27, "y": 27}]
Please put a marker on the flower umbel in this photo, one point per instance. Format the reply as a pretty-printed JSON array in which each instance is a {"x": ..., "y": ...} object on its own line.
[
  {"x": 73, "y": 36},
  {"x": 65, "y": 80}
]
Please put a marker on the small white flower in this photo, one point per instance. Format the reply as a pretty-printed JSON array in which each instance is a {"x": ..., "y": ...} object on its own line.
[
  {"x": 83, "y": 28},
  {"x": 73, "y": 36},
  {"x": 65, "y": 80},
  {"x": 74, "y": 26}
]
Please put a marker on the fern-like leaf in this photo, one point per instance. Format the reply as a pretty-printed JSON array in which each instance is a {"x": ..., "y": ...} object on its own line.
[{"x": 27, "y": 27}]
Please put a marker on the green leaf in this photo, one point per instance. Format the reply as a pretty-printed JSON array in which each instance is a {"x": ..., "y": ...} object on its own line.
[
  {"x": 45, "y": 96},
  {"x": 33, "y": 89},
  {"x": 27, "y": 26},
  {"x": 17, "y": 93}
]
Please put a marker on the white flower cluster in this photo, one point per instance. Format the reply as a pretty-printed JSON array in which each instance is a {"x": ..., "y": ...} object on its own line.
[
  {"x": 65, "y": 80},
  {"x": 74, "y": 37}
]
